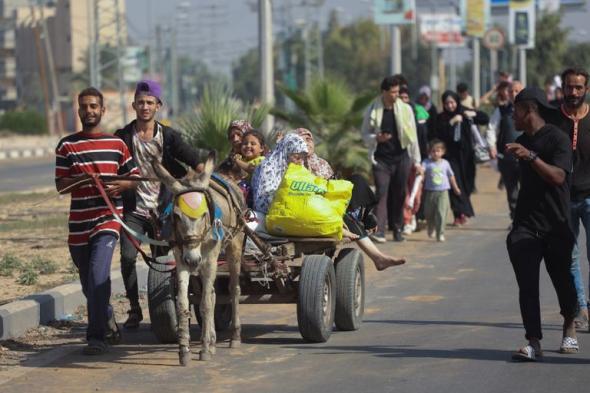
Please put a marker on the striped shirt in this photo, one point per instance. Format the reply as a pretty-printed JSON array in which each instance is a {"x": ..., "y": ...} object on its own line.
[{"x": 103, "y": 154}]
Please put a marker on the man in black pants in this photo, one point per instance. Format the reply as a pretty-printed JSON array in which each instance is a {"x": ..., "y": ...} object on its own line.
[
  {"x": 389, "y": 131},
  {"x": 574, "y": 119},
  {"x": 146, "y": 138},
  {"x": 541, "y": 227}
]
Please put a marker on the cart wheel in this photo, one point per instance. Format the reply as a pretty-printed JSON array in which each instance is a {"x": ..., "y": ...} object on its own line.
[
  {"x": 316, "y": 305},
  {"x": 162, "y": 305},
  {"x": 222, "y": 316},
  {"x": 350, "y": 289}
]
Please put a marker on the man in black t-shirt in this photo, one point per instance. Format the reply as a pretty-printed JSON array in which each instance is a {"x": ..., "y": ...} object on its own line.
[
  {"x": 541, "y": 227},
  {"x": 574, "y": 118}
]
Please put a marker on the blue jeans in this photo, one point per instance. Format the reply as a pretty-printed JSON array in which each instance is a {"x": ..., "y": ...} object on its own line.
[
  {"x": 580, "y": 211},
  {"x": 94, "y": 267}
]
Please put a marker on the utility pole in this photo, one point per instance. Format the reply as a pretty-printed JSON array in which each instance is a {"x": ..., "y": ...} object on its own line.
[
  {"x": 476, "y": 71},
  {"x": 121, "y": 81},
  {"x": 396, "y": 50},
  {"x": 522, "y": 64},
  {"x": 174, "y": 73},
  {"x": 493, "y": 66},
  {"x": 54, "y": 87},
  {"x": 320, "y": 52},
  {"x": 266, "y": 66},
  {"x": 96, "y": 44},
  {"x": 42, "y": 74}
]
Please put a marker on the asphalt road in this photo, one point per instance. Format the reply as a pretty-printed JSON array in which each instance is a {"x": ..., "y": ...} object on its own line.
[
  {"x": 27, "y": 174},
  {"x": 446, "y": 322}
]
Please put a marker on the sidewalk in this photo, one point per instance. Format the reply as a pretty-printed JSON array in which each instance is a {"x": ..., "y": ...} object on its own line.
[
  {"x": 14, "y": 147},
  {"x": 55, "y": 304}
]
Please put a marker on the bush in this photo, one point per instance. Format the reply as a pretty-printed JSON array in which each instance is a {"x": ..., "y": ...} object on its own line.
[
  {"x": 24, "y": 122},
  {"x": 28, "y": 276},
  {"x": 44, "y": 266},
  {"x": 8, "y": 264}
]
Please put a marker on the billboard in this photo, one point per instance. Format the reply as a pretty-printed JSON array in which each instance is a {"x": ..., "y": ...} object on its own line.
[
  {"x": 521, "y": 23},
  {"x": 477, "y": 14},
  {"x": 442, "y": 29},
  {"x": 504, "y": 3},
  {"x": 394, "y": 12}
]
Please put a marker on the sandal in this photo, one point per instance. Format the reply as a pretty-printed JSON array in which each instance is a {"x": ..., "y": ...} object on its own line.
[
  {"x": 95, "y": 347},
  {"x": 527, "y": 354},
  {"x": 569, "y": 345},
  {"x": 113, "y": 333}
]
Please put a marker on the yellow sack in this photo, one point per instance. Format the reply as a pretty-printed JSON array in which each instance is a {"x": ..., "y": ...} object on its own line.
[{"x": 305, "y": 205}]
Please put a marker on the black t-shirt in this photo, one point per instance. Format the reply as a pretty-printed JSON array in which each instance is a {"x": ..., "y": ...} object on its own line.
[
  {"x": 541, "y": 206},
  {"x": 391, "y": 150},
  {"x": 580, "y": 182}
]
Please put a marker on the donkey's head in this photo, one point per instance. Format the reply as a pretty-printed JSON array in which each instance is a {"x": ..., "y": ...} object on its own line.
[{"x": 191, "y": 219}]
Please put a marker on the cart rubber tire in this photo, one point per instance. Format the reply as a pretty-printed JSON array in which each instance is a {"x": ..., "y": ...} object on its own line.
[
  {"x": 316, "y": 299},
  {"x": 350, "y": 289},
  {"x": 222, "y": 316},
  {"x": 162, "y": 305}
]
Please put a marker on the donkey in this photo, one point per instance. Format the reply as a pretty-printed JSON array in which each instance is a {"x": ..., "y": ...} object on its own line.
[{"x": 198, "y": 237}]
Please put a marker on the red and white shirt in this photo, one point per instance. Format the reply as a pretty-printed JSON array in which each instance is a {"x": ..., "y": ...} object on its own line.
[{"x": 92, "y": 153}]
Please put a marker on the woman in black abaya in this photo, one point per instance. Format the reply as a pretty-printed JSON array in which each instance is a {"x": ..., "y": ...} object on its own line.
[{"x": 454, "y": 126}]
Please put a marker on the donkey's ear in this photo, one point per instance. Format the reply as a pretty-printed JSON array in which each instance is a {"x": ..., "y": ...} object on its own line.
[
  {"x": 209, "y": 166},
  {"x": 165, "y": 177}
]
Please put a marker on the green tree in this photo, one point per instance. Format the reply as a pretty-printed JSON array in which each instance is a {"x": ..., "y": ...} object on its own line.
[
  {"x": 551, "y": 46},
  {"x": 578, "y": 54},
  {"x": 334, "y": 114},
  {"x": 206, "y": 127}
]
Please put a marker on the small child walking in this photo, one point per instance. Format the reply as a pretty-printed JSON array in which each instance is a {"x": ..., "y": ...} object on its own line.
[{"x": 438, "y": 180}]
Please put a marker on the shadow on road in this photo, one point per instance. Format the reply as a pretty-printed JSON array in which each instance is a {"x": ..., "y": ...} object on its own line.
[{"x": 401, "y": 351}]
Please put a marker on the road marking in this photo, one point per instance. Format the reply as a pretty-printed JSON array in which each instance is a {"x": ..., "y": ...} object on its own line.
[{"x": 424, "y": 298}]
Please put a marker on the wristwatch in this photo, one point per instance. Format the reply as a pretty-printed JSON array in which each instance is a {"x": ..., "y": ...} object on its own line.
[{"x": 531, "y": 157}]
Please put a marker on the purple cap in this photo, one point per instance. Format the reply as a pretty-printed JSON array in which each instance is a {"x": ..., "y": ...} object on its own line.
[{"x": 149, "y": 88}]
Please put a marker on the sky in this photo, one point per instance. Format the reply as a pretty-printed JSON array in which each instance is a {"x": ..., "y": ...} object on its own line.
[{"x": 219, "y": 31}]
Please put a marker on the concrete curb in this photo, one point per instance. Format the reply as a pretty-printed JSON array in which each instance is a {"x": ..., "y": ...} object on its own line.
[
  {"x": 26, "y": 153},
  {"x": 38, "y": 309}
]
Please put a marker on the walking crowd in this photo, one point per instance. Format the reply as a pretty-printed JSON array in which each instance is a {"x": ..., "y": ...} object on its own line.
[{"x": 424, "y": 166}]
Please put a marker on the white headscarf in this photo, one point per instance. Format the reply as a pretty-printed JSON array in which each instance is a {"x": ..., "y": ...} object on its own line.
[{"x": 270, "y": 172}]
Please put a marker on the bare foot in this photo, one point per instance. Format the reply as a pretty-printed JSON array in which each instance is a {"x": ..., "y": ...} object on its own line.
[
  {"x": 388, "y": 262},
  {"x": 349, "y": 235}
]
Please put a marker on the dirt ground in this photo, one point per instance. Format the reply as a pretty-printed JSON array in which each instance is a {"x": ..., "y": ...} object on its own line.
[
  {"x": 33, "y": 229},
  {"x": 29, "y": 230}
]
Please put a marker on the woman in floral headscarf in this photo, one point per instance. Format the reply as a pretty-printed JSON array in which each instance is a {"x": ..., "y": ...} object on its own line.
[
  {"x": 318, "y": 166},
  {"x": 235, "y": 133},
  {"x": 269, "y": 174},
  {"x": 300, "y": 145}
]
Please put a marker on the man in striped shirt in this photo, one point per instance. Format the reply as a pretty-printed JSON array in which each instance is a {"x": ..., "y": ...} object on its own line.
[{"x": 93, "y": 231}]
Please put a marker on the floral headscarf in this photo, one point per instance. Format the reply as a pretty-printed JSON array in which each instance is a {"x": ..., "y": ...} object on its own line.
[
  {"x": 318, "y": 166},
  {"x": 242, "y": 125},
  {"x": 269, "y": 173}
]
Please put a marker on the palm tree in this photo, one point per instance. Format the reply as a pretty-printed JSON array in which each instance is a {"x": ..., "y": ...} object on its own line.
[
  {"x": 334, "y": 115},
  {"x": 206, "y": 127}
]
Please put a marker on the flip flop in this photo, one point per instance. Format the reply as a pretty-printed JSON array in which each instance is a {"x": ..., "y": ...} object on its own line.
[
  {"x": 569, "y": 345},
  {"x": 526, "y": 354}
]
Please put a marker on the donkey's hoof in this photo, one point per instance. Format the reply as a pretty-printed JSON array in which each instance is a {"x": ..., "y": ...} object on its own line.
[
  {"x": 235, "y": 343},
  {"x": 184, "y": 356},
  {"x": 212, "y": 349},
  {"x": 204, "y": 356}
]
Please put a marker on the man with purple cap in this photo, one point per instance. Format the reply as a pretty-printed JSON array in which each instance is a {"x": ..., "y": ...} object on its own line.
[{"x": 147, "y": 138}]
